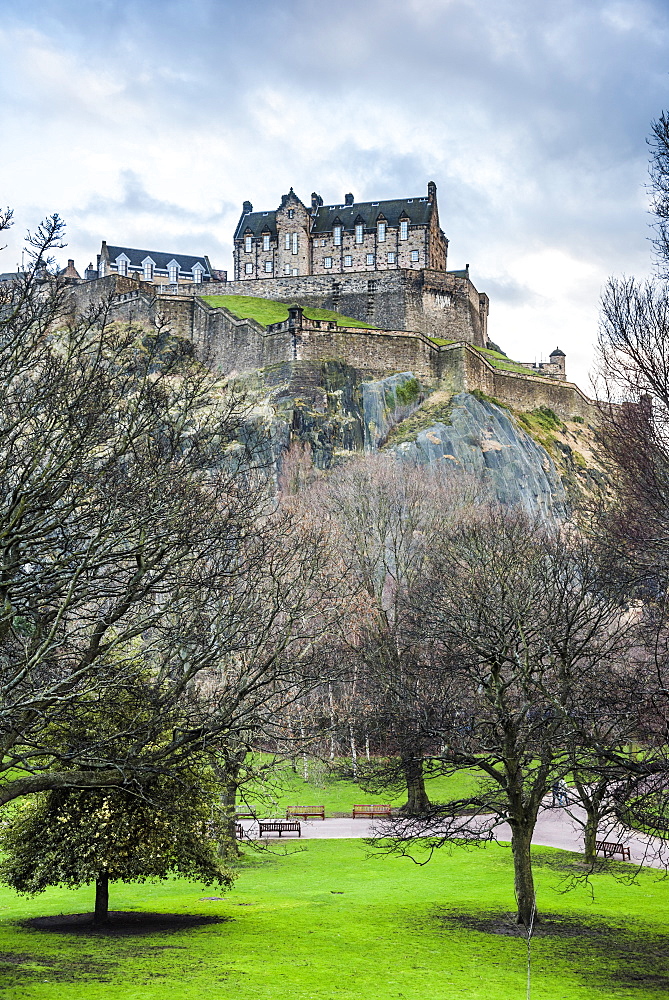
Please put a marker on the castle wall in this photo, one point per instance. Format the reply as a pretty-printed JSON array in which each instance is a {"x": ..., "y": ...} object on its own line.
[
  {"x": 434, "y": 303},
  {"x": 232, "y": 345}
]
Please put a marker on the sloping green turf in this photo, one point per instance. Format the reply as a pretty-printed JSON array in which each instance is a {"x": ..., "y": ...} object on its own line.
[
  {"x": 266, "y": 311},
  {"x": 325, "y": 921}
]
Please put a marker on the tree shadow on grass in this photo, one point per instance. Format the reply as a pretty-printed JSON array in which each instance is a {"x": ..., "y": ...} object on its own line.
[
  {"x": 121, "y": 923},
  {"x": 615, "y": 955}
]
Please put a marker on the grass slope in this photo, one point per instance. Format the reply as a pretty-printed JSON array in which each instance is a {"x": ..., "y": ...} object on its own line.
[
  {"x": 266, "y": 311},
  {"x": 324, "y": 920}
]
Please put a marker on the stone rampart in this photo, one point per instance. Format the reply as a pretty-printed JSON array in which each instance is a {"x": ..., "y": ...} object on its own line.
[{"x": 233, "y": 345}]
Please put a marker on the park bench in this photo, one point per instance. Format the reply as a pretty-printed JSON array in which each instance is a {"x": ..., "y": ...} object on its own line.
[
  {"x": 279, "y": 826},
  {"x": 372, "y": 810},
  {"x": 239, "y": 830},
  {"x": 609, "y": 848},
  {"x": 304, "y": 812}
]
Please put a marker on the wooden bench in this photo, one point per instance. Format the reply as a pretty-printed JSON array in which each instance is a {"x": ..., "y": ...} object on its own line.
[
  {"x": 279, "y": 826},
  {"x": 372, "y": 810},
  {"x": 239, "y": 831},
  {"x": 609, "y": 848},
  {"x": 304, "y": 812}
]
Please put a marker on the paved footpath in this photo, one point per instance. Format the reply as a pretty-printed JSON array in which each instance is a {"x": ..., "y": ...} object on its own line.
[{"x": 555, "y": 828}]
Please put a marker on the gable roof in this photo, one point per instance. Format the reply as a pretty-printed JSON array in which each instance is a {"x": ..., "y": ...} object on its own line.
[
  {"x": 257, "y": 222},
  {"x": 418, "y": 210},
  {"x": 160, "y": 259}
]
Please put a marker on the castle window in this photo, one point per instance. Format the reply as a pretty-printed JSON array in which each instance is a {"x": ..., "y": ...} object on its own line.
[
  {"x": 122, "y": 265},
  {"x": 336, "y": 232},
  {"x": 287, "y": 243},
  {"x": 265, "y": 241},
  {"x": 291, "y": 213},
  {"x": 415, "y": 255},
  {"x": 248, "y": 244},
  {"x": 102, "y": 266},
  {"x": 197, "y": 275},
  {"x": 404, "y": 229},
  {"x": 148, "y": 270},
  {"x": 249, "y": 268},
  {"x": 391, "y": 258},
  {"x": 348, "y": 260},
  {"x": 370, "y": 258},
  {"x": 295, "y": 243},
  {"x": 286, "y": 269},
  {"x": 381, "y": 232},
  {"x": 294, "y": 271},
  {"x": 268, "y": 265},
  {"x": 172, "y": 270},
  {"x": 358, "y": 233},
  {"x": 328, "y": 261}
]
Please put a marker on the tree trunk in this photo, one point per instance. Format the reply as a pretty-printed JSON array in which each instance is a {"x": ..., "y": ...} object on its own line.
[
  {"x": 101, "y": 899},
  {"x": 229, "y": 800},
  {"x": 521, "y": 840},
  {"x": 590, "y": 836},
  {"x": 417, "y": 803}
]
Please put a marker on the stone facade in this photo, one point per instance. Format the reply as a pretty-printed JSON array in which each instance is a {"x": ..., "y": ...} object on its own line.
[{"x": 339, "y": 239}]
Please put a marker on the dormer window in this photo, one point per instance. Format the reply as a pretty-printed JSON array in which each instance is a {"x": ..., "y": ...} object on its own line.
[
  {"x": 265, "y": 241},
  {"x": 147, "y": 266},
  {"x": 197, "y": 273},
  {"x": 173, "y": 272},
  {"x": 336, "y": 232},
  {"x": 404, "y": 229},
  {"x": 248, "y": 244},
  {"x": 359, "y": 231},
  {"x": 122, "y": 265},
  {"x": 381, "y": 232}
]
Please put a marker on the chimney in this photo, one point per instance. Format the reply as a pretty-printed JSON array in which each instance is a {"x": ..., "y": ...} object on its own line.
[
  {"x": 348, "y": 199},
  {"x": 431, "y": 191},
  {"x": 248, "y": 207},
  {"x": 316, "y": 202}
]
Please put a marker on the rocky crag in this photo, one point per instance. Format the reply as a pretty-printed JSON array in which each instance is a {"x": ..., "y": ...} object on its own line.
[{"x": 532, "y": 459}]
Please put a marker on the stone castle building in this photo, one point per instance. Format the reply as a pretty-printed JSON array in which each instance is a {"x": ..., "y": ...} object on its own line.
[
  {"x": 339, "y": 239},
  {"x": 157, "y": 267}
]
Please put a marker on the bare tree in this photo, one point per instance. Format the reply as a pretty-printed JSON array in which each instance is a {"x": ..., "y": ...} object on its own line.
[
  {"x": 141, "y": 544},
  {"x": 517, "y": 625},
  {"x": 387, "y": 517}
]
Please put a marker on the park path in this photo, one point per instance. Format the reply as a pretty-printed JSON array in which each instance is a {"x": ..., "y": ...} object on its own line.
[{"x": 555, "y": 828}]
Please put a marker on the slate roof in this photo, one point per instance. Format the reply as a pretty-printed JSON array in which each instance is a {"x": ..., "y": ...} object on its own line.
[
  {"x": 417, "y": 209},
  {"x": 257, "y": 222},
  {"x": 160, "y": 259}
]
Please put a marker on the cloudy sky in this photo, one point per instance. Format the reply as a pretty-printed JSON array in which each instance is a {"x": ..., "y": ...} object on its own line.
[{"x": 148, "y": 123}]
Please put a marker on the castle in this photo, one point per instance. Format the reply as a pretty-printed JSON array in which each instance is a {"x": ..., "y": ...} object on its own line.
[
  {"x": 340, "y": 239},
  {"x": 365, "y": 283}
]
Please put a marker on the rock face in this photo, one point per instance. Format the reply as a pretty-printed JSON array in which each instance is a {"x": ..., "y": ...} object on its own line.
[
  {"x": 385, "y": 403},
  {"x": 484, "y": 440},
  {"x": 325, "y": 406}
]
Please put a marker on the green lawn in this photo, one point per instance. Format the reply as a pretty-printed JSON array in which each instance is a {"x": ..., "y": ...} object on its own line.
[
  {"x": 285, "y": 788},
  {"x": 324, "y": 920},
  {"x": 266, "y": 311}
]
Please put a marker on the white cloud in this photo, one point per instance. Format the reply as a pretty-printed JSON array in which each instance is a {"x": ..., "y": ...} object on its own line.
[{"x": 150, "y": 124}]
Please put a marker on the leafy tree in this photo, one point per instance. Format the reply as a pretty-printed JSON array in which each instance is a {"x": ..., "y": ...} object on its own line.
[{"x": 168, "y": 826}]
